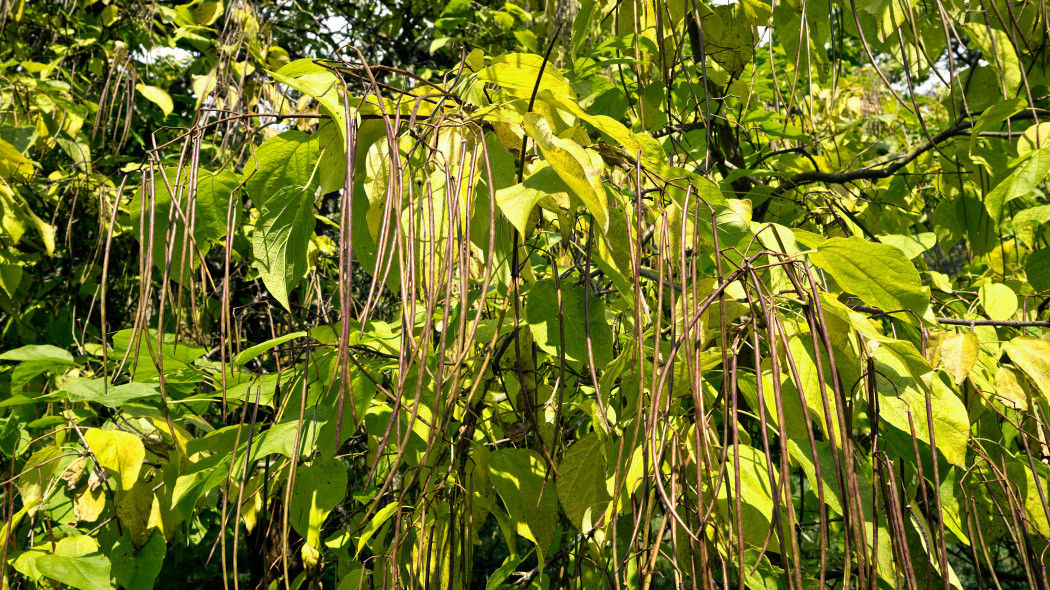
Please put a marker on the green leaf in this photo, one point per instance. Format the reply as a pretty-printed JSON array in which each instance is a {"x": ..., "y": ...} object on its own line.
[
  {"x": 518, "y": 475},
  {"x": 331, "y": 171},
  {"x": 579, "y": 168},
  {"x": 86, "y": 572},
  {"x": 250, "y": 353},
  {"x": 498, "y": 577},
  {"x": 120, "y": 453},
  {"x": 804, "y": 357},
  {"x": 355, "y": 580},
  {"x": 912, "y": 245},
  {"x": 36, "y": 474},
  {"x": 283, "y": 161},
  {"x": 319, "y": 488},
  {"x": 1031, "y": 493},
  {"x": 581, "y": 486},
  {"x": 1027, "y": 222},
  {"x": 113, "y": 396},
  {"x": 994, "y": 116},
  {"x": 157, "y": 96},
  {"x": 998, "y": 300},
  {"x": 22, "y": 138},
  {"x": 1032, "y": 355},
  {"x": 903, "y": 406},
  {"x": 1037, "y": 269},
  {"x": 213, "y": 196},
  {"x": 377, "y": 521},
  {"x": 311, "y": 79},
  {"x": 729, "y": 37},
  {"x": 580, "y": 25},
  {"x": 748, "y": 465},
  {"x": 38, "y": 352},
  {"x": 281, "y": 238},
  {"x": 953, "y": 513},
  {"x": 800, "y": 451},
  {"x": 879, "y": 274},
  {"x": 1022, "y": 180},
  {"x": 541, "y": 313}
]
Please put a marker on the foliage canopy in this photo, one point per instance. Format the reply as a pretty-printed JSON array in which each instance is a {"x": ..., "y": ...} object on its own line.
[{"x": 633, "y": 294}]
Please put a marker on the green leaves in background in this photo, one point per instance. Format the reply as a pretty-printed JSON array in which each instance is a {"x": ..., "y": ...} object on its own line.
[
  {"x": 518, "y": 475},
  {"x": 541, "y": 313},
  {"x": 582, "y": 489},
  {"x": 208, "y": 206}
]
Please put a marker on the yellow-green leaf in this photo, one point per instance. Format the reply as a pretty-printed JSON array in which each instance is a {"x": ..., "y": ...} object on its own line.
[
  {"x": 519, "y": 476},
  {"x": 13, "y": 165},
  {"x": 119, "y": 453},
  {"x": 157, "y": 96},
  {"x": 134, "y": 510},
  {"x": 1021, "y": 181},
  {"x": 879, "y": 274},
  {"x": 998, "y": 300},
  {"x": 581, "y": 169},
  {"x": 1011, "y": 386},
  {"x": 1032, "y": 355},
  {"x": 319, "y": 488}
]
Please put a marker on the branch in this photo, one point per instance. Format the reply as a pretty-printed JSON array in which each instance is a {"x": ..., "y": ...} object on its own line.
[
  {"x": 959, "y": 128},
  {"x": 963, "y": 321}
]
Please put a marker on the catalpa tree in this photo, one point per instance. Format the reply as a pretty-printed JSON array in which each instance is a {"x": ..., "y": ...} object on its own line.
[{"x": 633, "y": 294}]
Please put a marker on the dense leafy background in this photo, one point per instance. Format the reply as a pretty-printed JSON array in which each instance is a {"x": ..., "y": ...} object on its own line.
[{"x": 635, "y": 294}]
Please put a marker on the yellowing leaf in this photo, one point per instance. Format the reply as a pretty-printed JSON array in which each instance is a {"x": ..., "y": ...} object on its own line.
[
  {"x": 1032, "y": 355},
  {"x": 313, "y": 80},
  {"x": 517, "y": 73},
  {"x": 157, "y": 96},
  {"x": 579, "y": 168},
  {"x": 959, "y": 353},
  {"x": 377, "y": 184},
  {"x": 206, "y": 13},
  {"x": 1011, "y": 387},
  {"x": 119, "y": 453},
  {"x": 13, "y": 165},
  {"x": 134, "y": 512},
  {"x": 1036, "y": 137},
  {"x": 88, "y": 504},
  {"x": 36, "y": 474}
]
